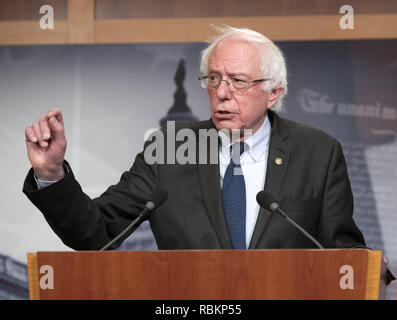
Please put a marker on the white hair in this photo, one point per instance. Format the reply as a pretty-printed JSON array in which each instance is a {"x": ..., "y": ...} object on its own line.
[{"x": 273, "y": 62}]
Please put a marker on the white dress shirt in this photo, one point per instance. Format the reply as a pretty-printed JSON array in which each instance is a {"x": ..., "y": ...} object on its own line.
[{"x": 253, "y": 165}]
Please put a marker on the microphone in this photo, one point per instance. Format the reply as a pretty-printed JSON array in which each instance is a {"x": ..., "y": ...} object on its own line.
[
  {"x": 156, "y": 200},
  {"x": 268, "y": 202}
]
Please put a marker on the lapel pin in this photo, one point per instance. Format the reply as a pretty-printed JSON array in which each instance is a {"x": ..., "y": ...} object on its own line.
[{"x": 278, "y": 161}]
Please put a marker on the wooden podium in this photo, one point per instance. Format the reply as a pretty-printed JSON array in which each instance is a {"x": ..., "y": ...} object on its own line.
[{"x": 208, "y": 274}]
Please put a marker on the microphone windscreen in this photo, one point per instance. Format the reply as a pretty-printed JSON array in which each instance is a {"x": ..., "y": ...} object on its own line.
[
  {"x": 159, "y": 196},
  {"x": 265, "y": 199}
]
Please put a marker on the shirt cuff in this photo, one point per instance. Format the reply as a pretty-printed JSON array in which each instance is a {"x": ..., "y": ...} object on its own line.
[{"x": 42, "y": 183}]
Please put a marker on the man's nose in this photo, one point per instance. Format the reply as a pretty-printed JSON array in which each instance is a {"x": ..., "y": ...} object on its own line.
[{"x": 223, "y": 91}]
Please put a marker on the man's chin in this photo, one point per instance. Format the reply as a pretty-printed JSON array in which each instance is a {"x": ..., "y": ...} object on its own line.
[
  {"x": 231, "y": 130},
  {"x": 234, "y": 132},
  {"x": 226, "y": 125}
]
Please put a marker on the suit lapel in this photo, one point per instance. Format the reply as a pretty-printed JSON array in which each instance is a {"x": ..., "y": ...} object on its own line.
[
  {"x": 210, "y": 186},
  {"x": 277, "y": 163}
]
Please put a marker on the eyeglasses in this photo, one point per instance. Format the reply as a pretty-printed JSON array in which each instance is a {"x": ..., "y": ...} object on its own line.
[{"x": 240, "y": 84}]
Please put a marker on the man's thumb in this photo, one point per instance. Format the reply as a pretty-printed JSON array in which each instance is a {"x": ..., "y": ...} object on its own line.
[
  {"x": 55, "y": 125},
  {"x": 57, "y": 128}
]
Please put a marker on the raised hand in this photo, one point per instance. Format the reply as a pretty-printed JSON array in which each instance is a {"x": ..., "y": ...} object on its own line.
[{"x": 46, "y": 145}]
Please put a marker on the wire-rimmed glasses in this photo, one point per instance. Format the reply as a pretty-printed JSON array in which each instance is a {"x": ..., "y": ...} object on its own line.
[{"x": 235, "y": 84}]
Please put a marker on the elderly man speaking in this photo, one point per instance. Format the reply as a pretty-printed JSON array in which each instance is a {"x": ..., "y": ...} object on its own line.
[{"x": 209, "y": 206}]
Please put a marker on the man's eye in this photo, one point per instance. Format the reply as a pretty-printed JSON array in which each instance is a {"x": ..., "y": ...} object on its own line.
[
  {"x": 212, "y": 77},
  {"x": 236, "y": 80}
]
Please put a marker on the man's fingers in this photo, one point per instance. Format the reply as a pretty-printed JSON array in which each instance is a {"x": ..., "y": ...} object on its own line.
[
  {"x": 55, "y": 125},
  {"x": 30, "y": 135},
  {"x": 49, "y": 126},
  {"x": 44, "y": 128},
  {"x": 37, "y": 131},
  {"x": 58, "y": 131},
  {"x": 55, "y": 112}
]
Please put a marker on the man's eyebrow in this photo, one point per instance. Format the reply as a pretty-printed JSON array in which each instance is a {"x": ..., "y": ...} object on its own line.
[
  {"x": 238, "y": 74},
  {"x": 233, "y": 74},
  {"x": 212, "y": 71}
]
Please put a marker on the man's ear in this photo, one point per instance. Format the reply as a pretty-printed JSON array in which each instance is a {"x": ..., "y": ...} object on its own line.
[{"x": 273, "y": 96}]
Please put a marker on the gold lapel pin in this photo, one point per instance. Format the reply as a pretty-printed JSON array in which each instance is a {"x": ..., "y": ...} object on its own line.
[{"x": 278, "y": 161}]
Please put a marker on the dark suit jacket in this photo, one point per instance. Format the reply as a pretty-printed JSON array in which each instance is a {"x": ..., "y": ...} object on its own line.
[{"x": 311, "y": 184}]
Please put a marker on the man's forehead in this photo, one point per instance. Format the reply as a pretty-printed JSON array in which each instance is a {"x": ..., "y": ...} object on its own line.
[{"x": 237, "y": 53}]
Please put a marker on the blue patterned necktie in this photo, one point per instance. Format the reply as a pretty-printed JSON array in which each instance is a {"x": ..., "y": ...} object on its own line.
[{"x": 233, "y": 197}]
